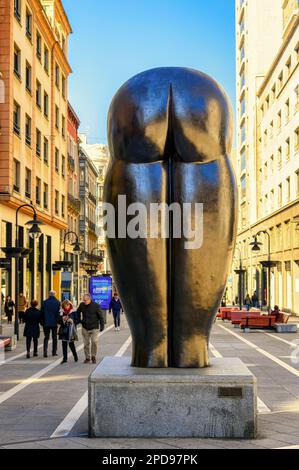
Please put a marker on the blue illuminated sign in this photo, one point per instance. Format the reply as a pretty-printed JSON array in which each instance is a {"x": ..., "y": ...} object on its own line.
[{"x": 100, "y": 289}]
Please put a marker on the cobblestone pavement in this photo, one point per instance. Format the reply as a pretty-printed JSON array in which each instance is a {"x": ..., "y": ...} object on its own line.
[{"x": 43, "y": 403}]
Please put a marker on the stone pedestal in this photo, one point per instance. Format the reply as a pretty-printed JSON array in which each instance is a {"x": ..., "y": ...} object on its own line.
[{"x": 218, "y": 401}]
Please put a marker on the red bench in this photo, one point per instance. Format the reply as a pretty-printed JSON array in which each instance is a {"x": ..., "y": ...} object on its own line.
[
  {"x": 237, "y": 317},
  {"x": 225, "y": 312},
  {"x": 258, "y": 321}
]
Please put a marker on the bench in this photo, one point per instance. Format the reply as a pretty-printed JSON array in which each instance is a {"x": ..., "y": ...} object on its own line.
[
  {"x": 225, "y": 312},
  {"x": 258, "y": 321},
  {"x": 238, "y": 316}
]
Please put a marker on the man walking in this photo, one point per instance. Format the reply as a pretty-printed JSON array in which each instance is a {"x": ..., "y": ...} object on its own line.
[
  {"x": 49, "y": 319},
  {"x": 91, "y": 318},
  {"x": 116, "y": 307}
]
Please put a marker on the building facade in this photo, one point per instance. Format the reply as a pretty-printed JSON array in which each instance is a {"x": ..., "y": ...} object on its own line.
[
  {"x": 99, "y": 155},
  {"x": 88, "y": 176},
  {"x": 33, "y": 141},
  {"x": 73, "y": 200},
  {"x": 267, "y": 149}
]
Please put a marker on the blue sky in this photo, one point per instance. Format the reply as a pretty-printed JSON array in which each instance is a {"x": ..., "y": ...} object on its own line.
[{"x": 115, "y": 39}]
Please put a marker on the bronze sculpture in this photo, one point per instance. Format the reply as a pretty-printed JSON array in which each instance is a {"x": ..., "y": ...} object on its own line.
[{"x": 170, "y": 136}]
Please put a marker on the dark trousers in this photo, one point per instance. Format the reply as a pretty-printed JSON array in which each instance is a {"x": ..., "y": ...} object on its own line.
[
  {"x": 47, "y": 330},
  {"x": 21, "y": 317},
  {"x": 116, "y": 316},
  {"x": 28, "y": 344},
  {"x": 72, "y": 348}
]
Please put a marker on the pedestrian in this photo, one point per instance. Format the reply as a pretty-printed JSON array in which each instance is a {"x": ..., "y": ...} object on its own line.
[
  {"x": 32, "y": 318},
  {"x": 116, "y": 307},
  {"x": 9, "y": 309},
  {"x": 247, "y": 302},
  {"x": 91, "y": 317},
  {"x": 50, "y": 318},
  {"x": 255, "y": 300},
  {"x": 67, "y": 332},
  {"x": 23, "y": 304}
]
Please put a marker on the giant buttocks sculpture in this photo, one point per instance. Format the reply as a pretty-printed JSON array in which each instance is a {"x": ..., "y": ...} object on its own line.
[{"x": 170, "y": 137}]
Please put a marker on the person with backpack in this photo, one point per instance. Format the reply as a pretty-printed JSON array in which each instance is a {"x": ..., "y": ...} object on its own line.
[{"x": 116, "y": 307}]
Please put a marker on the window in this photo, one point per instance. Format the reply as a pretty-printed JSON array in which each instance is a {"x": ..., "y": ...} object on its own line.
[
  {"x": 56, "y": 160},
  {"x": 38, "y": 191},
  {"x": 297, "y": 183},
  {"x": 63, "y": 206},
  {"x": 28, "y": 130},
  {"x": 46, "y": 150},
  {"x": 280, "y": 81},
  {"x": 63, "y": 165},
  {"x": 265, "y": 138},
  {"x": 38, "y": 142},
  {"x": 38, "y": 94},
  {"x": 242, "y": 106},
  {"x": 38, "y": 46},
  {"x": 287, "y": 111},
  {"x": 297, "y": 139},
  {"x": 272, "y": 164},
  {"x": 17, "y": 168},
  {"x": 287, "y": 149},
  {"x": 273, "y": 93},
  {"x": 279, "y": 121},
  {"x": 46, "y": 104},
  {"x": 57, "y": 117},
  {"x": 46, "y": 59},
  {"x": 242, "y": 53},
  {"x": 243, "y": 134},
  {"x": 28, "y": 77},
  {"x": 27, "y": 183},
  {"x": 243, "y": 161},
  {"x": 266, "y": 171},
  {"x": 280, "y": 195},
  {"x": 56, "y": 203},
  {"x": 17, "y": 61},
  {"x": 57, "y": 76},
  {"x": 279, "y": 156},
  {"x": 271, "y": 129},
  {"x": 63, "y": 86},
  {"x": 242, "y": 80},
  {"x": 243, "y": 186},
  {"x": 28, "y": 25},
  {"x": 63, "y": 43},
  {"x": 17, "y": 9},
  {"x": 272, "y": 200},
  {"x": 297, "y": 98},
  {"x": 288, "y": 189},
  {"x": 63, "y": 126},
  {"x": 16, "y": 118},
  {"x": 46, "y": 196}
]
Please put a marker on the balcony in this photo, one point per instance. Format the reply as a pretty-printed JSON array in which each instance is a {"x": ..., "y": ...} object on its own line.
[
  {"x": 73, "y": 203},
  {"x": 92, "y": 197},
  {"x": 71, "y": 162},
  {"x": 92, "y": 226}
]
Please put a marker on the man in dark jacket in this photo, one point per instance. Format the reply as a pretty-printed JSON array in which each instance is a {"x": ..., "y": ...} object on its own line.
[
  {"x": 49, "y": 319},
  {"x": 91, "y": 317},
  {"x": 116, "y": 307}
]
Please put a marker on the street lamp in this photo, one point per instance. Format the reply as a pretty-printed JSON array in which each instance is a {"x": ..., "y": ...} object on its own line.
[
  {"x": 76, "y": 244},
  {"x": 241, "y": 271},
  {"x": 268, "y": 264},
  {"x": 18, "y": 253}
]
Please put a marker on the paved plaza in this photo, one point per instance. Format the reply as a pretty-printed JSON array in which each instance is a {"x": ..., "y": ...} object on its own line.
[{"x": 43, "y": 404}]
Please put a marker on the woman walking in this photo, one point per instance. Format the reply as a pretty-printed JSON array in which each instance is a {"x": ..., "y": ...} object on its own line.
[
  {"x": 67, "y": 332},
  {"x": 31, "y": 318},
  {"x": 9, "y": 308}
]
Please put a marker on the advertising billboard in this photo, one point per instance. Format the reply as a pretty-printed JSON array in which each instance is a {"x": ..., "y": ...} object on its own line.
[{"x": 100, "y": 289}]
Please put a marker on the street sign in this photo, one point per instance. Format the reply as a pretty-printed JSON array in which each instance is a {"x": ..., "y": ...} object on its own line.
[{"x": 100, "y": 289}]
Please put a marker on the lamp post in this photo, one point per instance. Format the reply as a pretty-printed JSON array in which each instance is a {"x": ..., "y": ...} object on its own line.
[
  {"x": 240, "y": 273},
  {"x": 256, "y": 247},
  {"x": 18, "y": 253}
]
